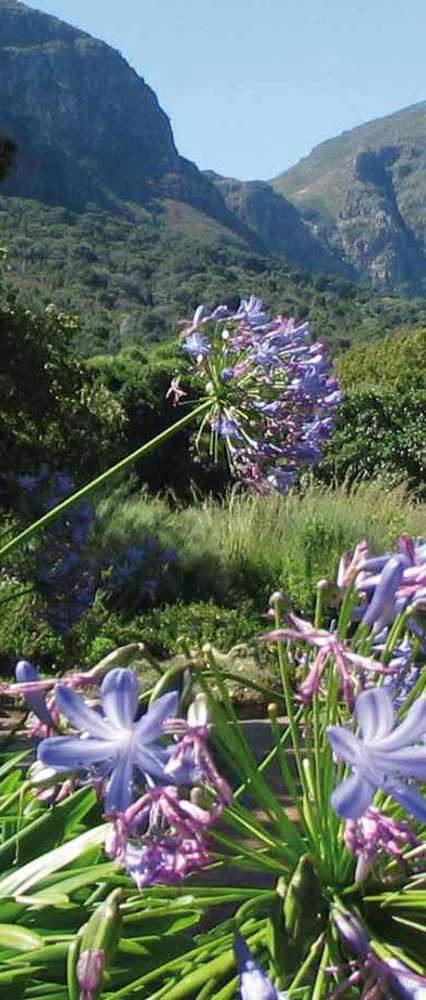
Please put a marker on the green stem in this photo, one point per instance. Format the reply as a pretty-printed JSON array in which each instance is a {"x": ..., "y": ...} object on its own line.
[{"x": 94, "y": 483}]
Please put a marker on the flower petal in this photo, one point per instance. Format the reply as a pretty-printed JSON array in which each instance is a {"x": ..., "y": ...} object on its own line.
[
  {"x": 80, "y": 715},
  {"x": 198, "y": 711},
  {"x": 409, "y": 762},
  {"x": 411, "y": 729},
  {"x": 352, "y": 797},
  {"x": 409, "y": 797},
  {"x": 120, "y": 692},
  {"x": 119, "y": 793},
  {"x": 71, "y": 752},
  {"x": 375, "y": 713},
  {"x": 345, "y": 745},
  {"x": 381, "y": 606},
  {"x": 254, "y": 983},
  {"x": 25, "y": 672},
  {"x": 149, "y": 728},
  {"x": 152, "y": 760}
]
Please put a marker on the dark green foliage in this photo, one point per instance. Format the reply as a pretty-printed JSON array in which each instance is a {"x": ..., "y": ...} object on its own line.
[
  {"x": 139, "y": 381},
  {"x": 52, "y": 411},
  {"x": 7, "y": 156},
  {"x": 379, "y": 433},
  {"x": 382, "y": 422},
  {"x": 132, "y": 278},
  {"x": 198, "y": 622}
]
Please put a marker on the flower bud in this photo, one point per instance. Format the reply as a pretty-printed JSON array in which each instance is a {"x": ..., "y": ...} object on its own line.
[
  {"x": 90, "y": 967},
  {"x": 351, "y": 931},
  {"x": 99, "y": 940},
  {"x": 280, "y": 601}
]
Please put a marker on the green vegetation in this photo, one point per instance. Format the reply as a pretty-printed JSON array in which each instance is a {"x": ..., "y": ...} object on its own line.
[
  {"x": 229, "y": 556},
  {"x": 53, "y": 411},
  {"x": 132, "y": 277},
  {"x": 382, "y": 421}
]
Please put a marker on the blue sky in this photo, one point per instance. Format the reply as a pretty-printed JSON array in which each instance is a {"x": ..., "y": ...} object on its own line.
[{"x": 251, "y": 86}]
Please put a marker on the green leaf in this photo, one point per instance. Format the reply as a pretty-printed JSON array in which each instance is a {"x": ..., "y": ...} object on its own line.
[
  {"x": 18, "y": 883},
  {"x": 19, "y": 938}
]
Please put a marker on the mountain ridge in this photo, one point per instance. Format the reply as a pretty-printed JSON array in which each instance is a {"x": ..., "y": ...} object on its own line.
[{"x": 102, "y": 215}]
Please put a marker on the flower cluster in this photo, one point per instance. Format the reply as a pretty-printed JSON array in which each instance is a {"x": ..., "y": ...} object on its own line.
[
  {"x": 271, "y": 390},
  {"x": 64, "y": 574},
  {"x": 350, "y": 666},
  {"x": 159, "y": 836},
  {"x": 64, "y": 566},
  {"x": 373, "y": 833}
]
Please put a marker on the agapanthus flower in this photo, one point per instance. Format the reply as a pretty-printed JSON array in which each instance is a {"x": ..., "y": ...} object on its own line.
[
  {"x": 197, "y": 344},
  {"x": 392, "y": 581},
  {"x": 375, "y": 833},
  {"x": 26, "y": 674},
  {"x": 254, "y": 983},
  {"x": 382, "y": 756},
  {"x": 192, "y": 749},
  {"x": 270, "y": 391},
  {"x": 378, "y": 976},
  {"x": 161, "y": 837},
  {"x": 114, "y": 744},
  {"x": 330, "y": 648},
  {"x": 175, "y": 392}
]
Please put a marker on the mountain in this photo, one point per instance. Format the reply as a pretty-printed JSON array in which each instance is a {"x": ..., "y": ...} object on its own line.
[
  {"x": 279, "y": 225},
  {"x": 103, "y": 217},
  {"x": 89, "y": 130},
  {"x": 363, "y": 196}
]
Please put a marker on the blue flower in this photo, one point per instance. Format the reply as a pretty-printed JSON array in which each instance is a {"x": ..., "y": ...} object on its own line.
[
  {"x": 113, "y": 745},
  {"x": 254, "y": 983},
  {"x": 27, "y": 673},
  {"x": 197, "y": 344},
  {"x": 407, "y": 985},
  {"x": 382, "y": 757},
  {"x": 381, "y": 610}
]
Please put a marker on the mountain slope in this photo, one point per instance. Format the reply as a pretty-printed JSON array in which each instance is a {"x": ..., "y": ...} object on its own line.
[
  {"x": 88, "y": 129},
  {"x": 279, "y": 225},
  {"x": 103, "y": 217},
  {"x": 363, "y": 194}
]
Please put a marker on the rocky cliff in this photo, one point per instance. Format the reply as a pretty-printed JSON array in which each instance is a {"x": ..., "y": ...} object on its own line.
[
  {"x": 90, "y": 132},
  {"x": 87, "y": 127},
  {"x": 280, "y": 226},
  {"x": 363, "y": 196}
]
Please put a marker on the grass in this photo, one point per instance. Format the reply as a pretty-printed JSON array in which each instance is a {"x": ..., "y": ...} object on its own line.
[
  {"x": 246, "y": 545},
  {"x": 230, "y": 555}
]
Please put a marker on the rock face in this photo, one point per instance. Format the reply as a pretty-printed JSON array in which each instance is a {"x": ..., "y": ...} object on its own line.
[
  {"x": 279, "y": 225},
  {"x": 90, "y": 131},
  {"x": 87, "y": 127},
  {"x": 363, "y": 195}
]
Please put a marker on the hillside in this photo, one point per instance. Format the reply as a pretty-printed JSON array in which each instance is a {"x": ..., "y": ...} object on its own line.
[
  {"x": 363, "y": 194},
  {"x": 103, "y": 217}
]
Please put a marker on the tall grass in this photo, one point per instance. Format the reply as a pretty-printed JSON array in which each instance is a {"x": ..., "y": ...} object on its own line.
[
  {"x": 229, "y": 556},
  {"x": 244, "y": 545}
]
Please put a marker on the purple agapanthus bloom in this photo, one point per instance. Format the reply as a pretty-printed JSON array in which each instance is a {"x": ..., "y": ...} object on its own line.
[
  {"x": 406, "y": 984},
  {"x": 112, "y": 745},
  {"x": 253, "y": 311},
  {"x": 27, "y": 673},
  {"x": 197, "y": 344},
  {"x": 254, "y": 983},
  {"x": 382, "y": 757}
]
